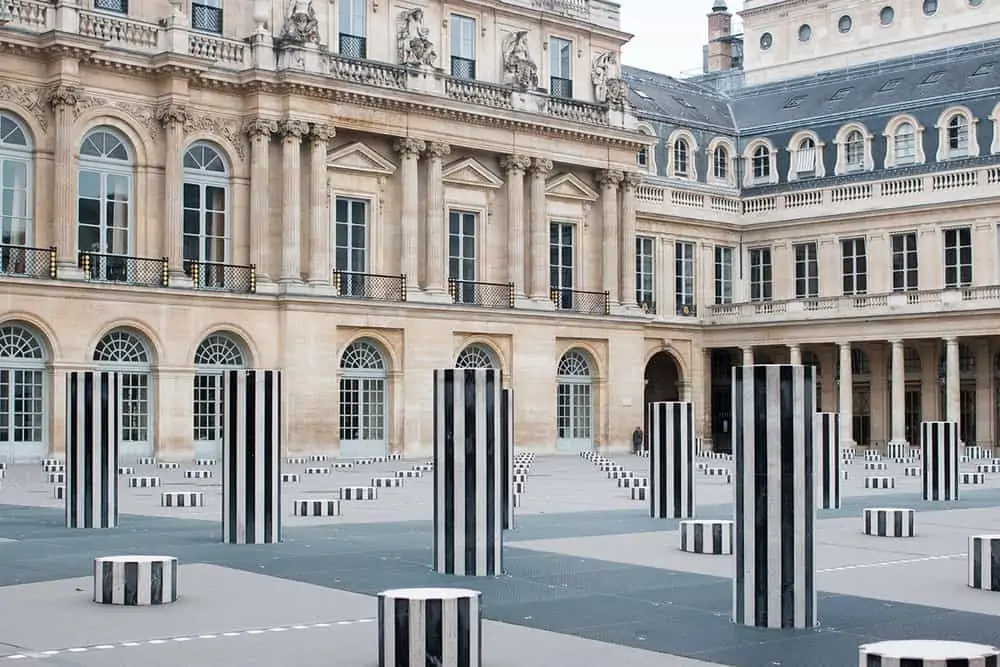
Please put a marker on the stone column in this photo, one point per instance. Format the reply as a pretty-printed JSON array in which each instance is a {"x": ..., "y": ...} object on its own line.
[
  {"x": 63, "y": 100},
  {"x": 435, "y": 219},
  {"x": 292, "y": 132},
  {"x": 897, "y": 406},
  {"x": 609, "y": 180},
  {"x": 984, "y": 393},
  {"x": 319, "y": 214},
  {"x": 952, "y": 382},
  {"x": 846, "y": 397},
  {"x": 540, "y": 169},
  {"x": 748, "y": 356},
  {"x": 515, "y": 166},
  {"x": 409, "y": 224},
  {"x": 260, "y": 130},
  {"x": 794, "y": 355},
  {"x": 173, "y": 117},
  {"x": 629, "y": 184}
]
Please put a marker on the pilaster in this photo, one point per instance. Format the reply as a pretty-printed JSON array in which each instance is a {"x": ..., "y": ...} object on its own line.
[
  {"x": 319, "y": 216},
  {"x": 629, "y": 184},
  {"x": 292, "y": 132},
  {"x": 409, "y": 150},
  {"x": 435, "y": 282},
  {"x": 609, "y": 181},
  {"x": 260, "y": 130},
  {"x": 515, "y": 166},
  {"x": 539, "y": 292},
  {"x": 173, "y": 117},
  {"x": 63, "y": 100}
]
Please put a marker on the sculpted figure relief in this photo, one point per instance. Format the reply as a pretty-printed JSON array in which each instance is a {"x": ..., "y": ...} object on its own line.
[
  {"x": 608, "y": 89},
  {"x": 301, "y": 25},
  {"x": 415, "y": 48},
  {"x": 517, "y": 63}
]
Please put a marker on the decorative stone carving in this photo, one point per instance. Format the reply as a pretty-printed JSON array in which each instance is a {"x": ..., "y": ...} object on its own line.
[
  {"x": 610, "y": 178},
  {"x": 27, "y": 98},
  {"x": 301, "y": 25},
  {"x": 608, "y": 88},
  {"x": 518, "y": 66},
  {"x": 294, "y": 129},
  {"x": 322, "y": 133},
  {"x": 631, "y": 180},
  {"x": 515, "y": 163},
  {"x": 415, "y": 48},
  {"x": 256, "y": 127},
  {"x": 63, "y": 96},
  {"x": 170, "y": 114},
  {"x": 225, "y": 128},
  {"x": 409, "y": 146},
  {"x": 542, "y": 165},
  {"x": 438, "y": 150}
]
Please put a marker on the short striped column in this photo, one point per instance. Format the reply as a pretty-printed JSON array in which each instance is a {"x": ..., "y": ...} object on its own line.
[
  {"x": 418, "y": 627},
  {"x": 707, "y": 536},
  {"x": 984, "y": 562},
  {"x": 889, "y": 521},
  {"x": 93, "y": 426},
  {"x": 135, "y": 581},
  {"x": 670, "y": 428},
  {"x": 468, "y": 472},
  {"x": 927, "y": 653},
  {"x": 251, "y": 457},
  {"x": 939, "y": 458},
  {"x": 775, "y": 581},
  {"x": 507, "y": 454},
  {"x": 827, "y": 436}
]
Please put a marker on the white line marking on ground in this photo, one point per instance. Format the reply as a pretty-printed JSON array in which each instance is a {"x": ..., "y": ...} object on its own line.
[
  {"x": 38, "y": 655},
  {"x": 887, "y": 563}
]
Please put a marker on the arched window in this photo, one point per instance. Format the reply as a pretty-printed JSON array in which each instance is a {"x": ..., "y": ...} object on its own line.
[
  {"x": 476, "y": 356},
  {"x": 363, "y": 400},
  {"x": 720, "y": 164},
  {"x": 15, "y": 191},
  {"x": 104, "y": 195},
  {"x": 957, "y": 136},
  {"x": 854, "y": 151},
  {"x": 23, "y": 399},
  {"x": 681, "y": 157},
  {"x": 206, "y": 206},
  {"x": 217, "y": 353},
  {"x": 123, "y": 351},
  {"x": 805, "y": 158},
  {"x": 574, "y": 402},
  {"x": 905, "y": 144},
  {"x": 761, "y": 163}
]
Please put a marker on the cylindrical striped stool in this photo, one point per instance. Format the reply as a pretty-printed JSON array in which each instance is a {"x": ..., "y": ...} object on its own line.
[
  {"x": 619, "y": 474},
  {"x": 912, "y": 471},
  {"x": 182, "y": 499},
  {"x": 126, "y": 470},
  {"x": 630, "y": 482},
  {"x": 875, "y": 465},
  {"x": 409, "y": 474},
  {"x": 872, "y": 456},
  {"x": 289, "y": 477},
  {"x": 204, "y": 462},
  {"x": 54, "y": 467},
  {"x": 939, "y": 442},
  {"x": 896, "y": 450},
  {"x": 984, "y": 562},
  {"x": 880, "y": 482},
  {"x": 387, "y": 482},
  {"x": 926, "y": 653},
  {"x": 343, "y": 465},
  {"x": 973, "y": 478},
  {"x": 639, "y": 492},
  {"x": 168, "y": 465},
  {"x": 826, "y": 433},
  {"x": 59, "y": 492},
  {"x": 318, "y": 458},
  {"x": 312, "y": 470},
  {"x": 418, "y": 627},
  {"x": 711, "y": 536},
  {"x": 889, "y": 522},
  {"x": 516, "y": 499},
  {"x": 197, "y": 474},
  {"x": 143, "y": 482},
  {"x": 423, "y": 467},
  {"x": 716, "y": 472},
  {"x": 56, "y": 477},
  {"x": 312, "y": 507},
  {"x": 297, "y": 460},
  {"x": 146, "y": 461},
  {"x": 987, "y": 467},
  {"x": 135, "y": 580},
  {"x": 358, "y": 493}
]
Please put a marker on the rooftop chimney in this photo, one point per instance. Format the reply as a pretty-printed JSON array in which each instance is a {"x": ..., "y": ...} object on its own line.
[{"x": 720, "y": 29}]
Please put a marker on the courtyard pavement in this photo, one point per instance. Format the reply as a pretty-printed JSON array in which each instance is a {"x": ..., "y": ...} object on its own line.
[{"x": 590, "y": 579}]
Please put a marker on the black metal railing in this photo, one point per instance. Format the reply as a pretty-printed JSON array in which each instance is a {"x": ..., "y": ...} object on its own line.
[
  {"x": 353, "y": 46},
  {"x": 589, "y": 303},
  {"x": 222, "y": 277},
  {"x": 487, "y": 295},
  {"x": 687, "y": 310},
  {"x": 206, "y": 17},
  {"x": 120, "y": 6},
  {"x": 374, "y": 286},
  {"x": 463, "y": 68},
  {"x": 124, "y": 269},
  {"x": 559, "y": 87},
  {"x": 648, "y": 306},
  {"x": 27, "y": 262}
]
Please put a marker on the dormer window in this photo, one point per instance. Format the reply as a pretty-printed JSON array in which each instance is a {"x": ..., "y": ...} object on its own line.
[
  {"x": 958, "y": 136},
  {"x": 854, "y": 151},
  {"x": 682, "y": 157},
  {"x": 905, "y": 144},
  {"x": 720, "y": 164},
  {"x": 805, "y": 158},
  {"x": 761, "y": 164}
]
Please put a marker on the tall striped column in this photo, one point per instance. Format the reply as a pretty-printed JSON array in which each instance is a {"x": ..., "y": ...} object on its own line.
[
  {"x": 468, "y": 472},
  {"x": 670, "y": 426},
  {"x": 93, "y": 427},
  {"x": 507, "y": 455},
  {"x": 251, "y": 457},
  {"x": 939, "y": 457},
  {"x": 773, "y": 411},
  {"x": 827, "y": 440}
]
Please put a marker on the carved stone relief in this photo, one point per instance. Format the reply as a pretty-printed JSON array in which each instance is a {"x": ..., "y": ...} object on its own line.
[
  {"x": 31, "y": 99},
  {"x": 608, "y": 87},
  {"x": 415, "y": 46},
  {"x": 519, "y": 69},
  {"x": 301, "y": 25}
]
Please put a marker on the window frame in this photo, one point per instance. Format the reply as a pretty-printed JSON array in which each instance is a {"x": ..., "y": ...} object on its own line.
[
  {"x": 565, "y": 292},
  {"x": 459, "y": 23},
  {"x": 854, "y": 266},
  {"x": 958, "y": 273},
  {"x": 806, "y": 259},
  {"x": 367, "y": 225},
  {"x": 14, "y": 153},
  {"x": 686, "y": 277},
  {"x": 561, "y": 83},
  {"x": 761, "y": 262},
  {"x": 104, "y": 168},
  {"x": 645, "y": 272},
  {"x": 349, "y": 13},
  {"x": 905, "y": 262},
  {"x": 724, "y": 278},
  {"x": 204, "y": 179}
]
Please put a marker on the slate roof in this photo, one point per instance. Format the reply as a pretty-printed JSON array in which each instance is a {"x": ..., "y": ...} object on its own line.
[{"x": 676, "y": 100}]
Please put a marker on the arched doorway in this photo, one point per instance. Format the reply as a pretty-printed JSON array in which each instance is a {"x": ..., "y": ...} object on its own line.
[
  {"x": 23, "y": 395},
  {"x": 123, "y": 351},
  {"x": 662, "y": 379},
  {"x": 574, "y": 403},
  {"x": 722, "y": 363},
  {"x": 363, "y": 400},
  {"x": 217, "y": 353}
]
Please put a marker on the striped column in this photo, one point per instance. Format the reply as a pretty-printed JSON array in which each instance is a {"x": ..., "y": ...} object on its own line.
[
  {"x": 984, "y": 562},
  {"x": 93, "y": 427},
  {"x": 939, "y": 458},
  {"x": 507, "y": 455},
  {"x": 419, "y": 627},
  {"x": 468, "y": 472},
  {"x": 773, "y": 411},
  {"x": 927, "y": 653},
  {"x": 251, "y": 457},
  {"x": 827, "y": 437},
  {"x": 670, "y": 427}
]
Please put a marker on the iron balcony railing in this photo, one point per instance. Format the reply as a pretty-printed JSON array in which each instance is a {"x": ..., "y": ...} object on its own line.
[
  {"x": 353, "y": 46},
  {"x": 487, "y": 295},
  {"x": 207, "y": 18},
  {"x": 589, "y": 303},
  {"x": 27, "y": 262},
  {"x": 463, "y": 68},
  {"x": 374, "y": 286},
  {"x": 560, "y": 87},
  {"x": 222, "y": 277},
  {"x": 107, "y": 268}
]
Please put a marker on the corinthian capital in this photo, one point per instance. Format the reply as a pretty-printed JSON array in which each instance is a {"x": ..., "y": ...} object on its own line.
[
  {"x": 409, "y": 146},
  {"x": 437, "y": 149},
  {"x": 294, "y": 129},
  {"x": 321, "y": 133},
  {"x": 515, "y": 163},
  {"x": 541, "y": 166},
  {"x": 172, "y": 114},
  {"x": 260, "y": 127},
  {"x": 63, "y": 96},
  {"x": 631, "y": 180},
  {"x": 610, "y": 178}
]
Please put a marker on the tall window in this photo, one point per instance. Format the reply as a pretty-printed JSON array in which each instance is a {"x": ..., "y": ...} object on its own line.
[
  {"x": 15, "y": 185},
  {"x": 958, "y": 136},
  {"x": 904, "y": 262},
  {"x": 463, "y": 47},
  {"x": 645, "y": 273},
  {"x": 207, "y": 15},
  {"x": 561, "y": 258},
  {"x": 126, "y": 353},
  {"x": 23, "y": 397},
  {"x": 684, "y": 278},
  {"x": 855, "y": 266},
  {"x": 216, "y": 353},
  {"x": 206, "y": 196},
  {"x": 761, "y": 274},
  {"x": 682, "y": 157},
  {"x": 805, "y": 158},
  {"x": 720, "y": 163},
  {"x": 574, "y": 402},
  {"x": 854, "y": 151},
  {"x": 723, "y": 275},
  {"x": 351, "y": 244},
  {"x": 957, "y": 257},
  {"x": 352, "y": 39},
  {"x": 806, "y": 271},
  {"x": 462, "y": 254},
  {"x": 905, "y": 146},
  {"x": 104, "y": 198},
  {"x": 761, "y": 163},
  {"x": 561, "y": 68},
  {"x": 363, "y": 400}
]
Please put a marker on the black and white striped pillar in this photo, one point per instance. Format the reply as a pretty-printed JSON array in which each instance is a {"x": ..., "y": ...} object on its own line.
[
  {"x": 251, "y": 457},
  {"x": 827, "y": 436},
  {"x": 984, "y": 562},
  {"x": 939, "y": 458},
  {"x": 468, "y": 472},
  {"x": 773, "y": 415},
  {"x": 418, "y": 627},
  {"x": 706, "y": 536},
  {"x": 135, "y": 581},
  {"x": 927, "y": 653},
  {"x": 93, "y": 427},
  {"x": 507, "y": 454},
  {"x": 670, "y": 429},
  {"x": 889, "y": 521}
]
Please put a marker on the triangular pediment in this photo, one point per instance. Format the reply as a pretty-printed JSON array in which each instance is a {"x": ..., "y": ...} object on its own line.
[
  {"x": 569, "y": 186},
  {"x": 470, "y": 173},
  {"x": 361, "y": 158}
]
